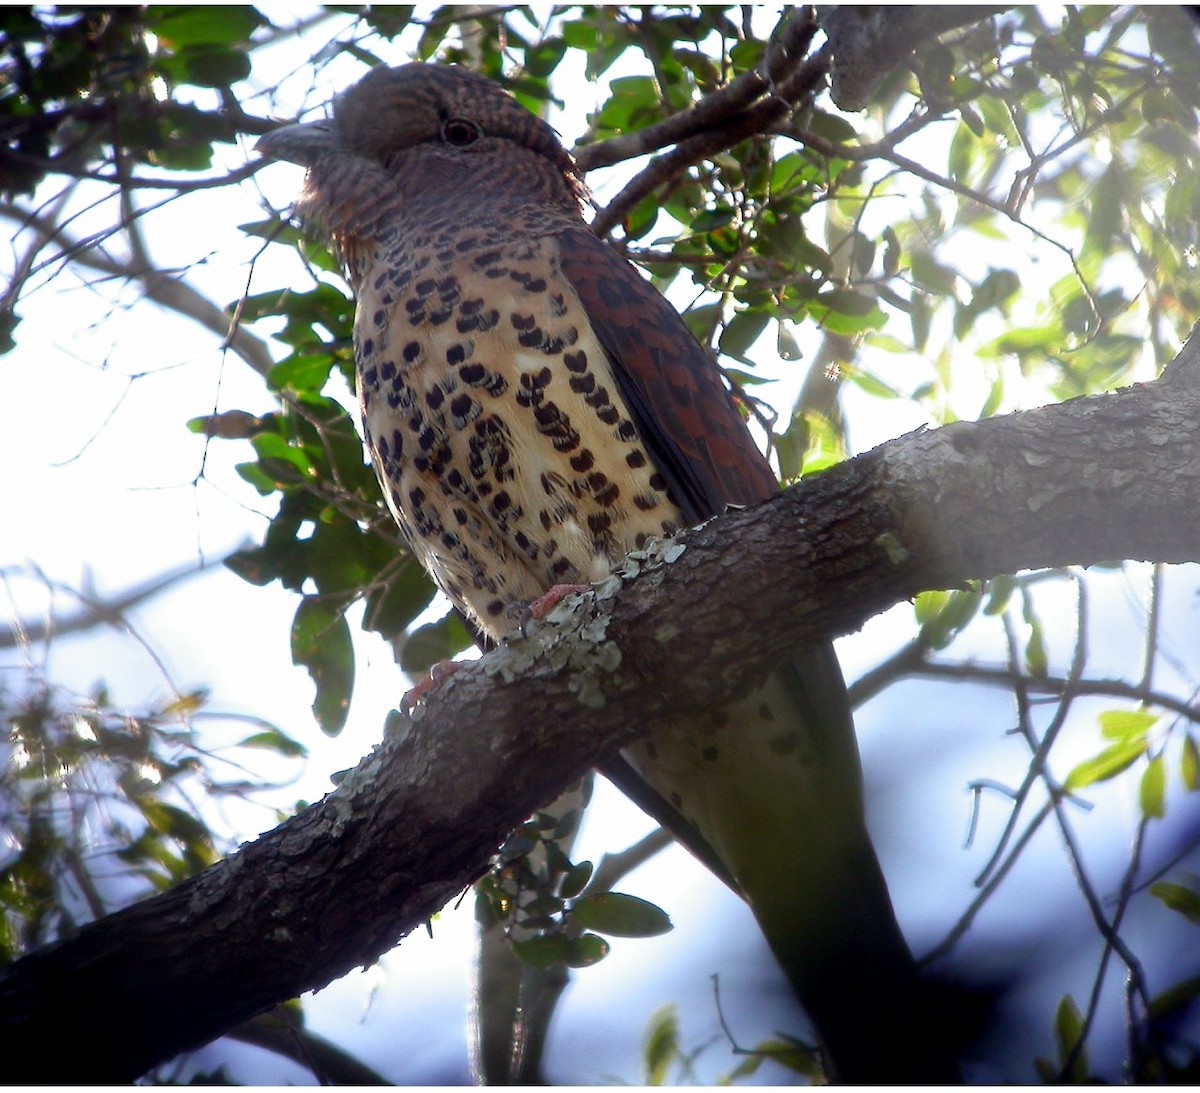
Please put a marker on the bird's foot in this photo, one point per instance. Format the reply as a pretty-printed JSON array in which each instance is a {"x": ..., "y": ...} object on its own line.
[
  {"x": 438, "y": 674},
  {"x": 541, "y": 607}
]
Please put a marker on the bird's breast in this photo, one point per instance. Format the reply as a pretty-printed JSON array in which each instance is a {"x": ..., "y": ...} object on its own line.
[{"x": 495, "y": 423}]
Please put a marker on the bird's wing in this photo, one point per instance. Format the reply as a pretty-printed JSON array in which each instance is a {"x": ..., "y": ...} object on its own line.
[
  {"x": 684, "y": 414},
  {"x": 693, "y": 431}
]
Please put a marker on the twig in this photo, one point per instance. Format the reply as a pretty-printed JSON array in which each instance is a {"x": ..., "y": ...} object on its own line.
[
  {"x": 613, "y": 867},
  {"x": 159, "y": 285},
  {"x": 98, "y": 612},
  {"x": 784, "y": 52}
]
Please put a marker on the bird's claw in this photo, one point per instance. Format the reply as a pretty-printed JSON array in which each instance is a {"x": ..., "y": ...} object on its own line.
[
  {"x": 541, "y": 607},
  {"x": 438, "y": 674}
]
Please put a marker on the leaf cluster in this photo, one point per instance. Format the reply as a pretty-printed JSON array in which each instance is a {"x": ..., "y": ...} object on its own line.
[
  {"x": 112, "y": 86},
  {"x": 552, "y": 908},
  {"x": 102, "y": 805}
]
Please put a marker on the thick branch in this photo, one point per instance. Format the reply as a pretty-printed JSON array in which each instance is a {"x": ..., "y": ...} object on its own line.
[
  {"x": 869, "y": 40},
  {"x": 1116, "y": 476}
]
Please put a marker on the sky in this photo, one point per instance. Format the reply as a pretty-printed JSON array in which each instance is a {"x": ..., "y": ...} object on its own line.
[{"x": 103, "y": 487}]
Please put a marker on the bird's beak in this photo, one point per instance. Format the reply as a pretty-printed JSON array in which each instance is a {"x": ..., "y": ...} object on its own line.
[{"x": 303, "y": 143}]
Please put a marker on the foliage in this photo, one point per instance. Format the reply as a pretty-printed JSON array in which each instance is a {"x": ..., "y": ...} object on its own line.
[
  {"x": 103, "y": 806},
  {"x": 548, "y": 904},
  {"x": 1014, "y": 219}
]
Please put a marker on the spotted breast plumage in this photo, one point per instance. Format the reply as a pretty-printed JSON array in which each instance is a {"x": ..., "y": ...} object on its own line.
[{"x": 535, "y": 410}]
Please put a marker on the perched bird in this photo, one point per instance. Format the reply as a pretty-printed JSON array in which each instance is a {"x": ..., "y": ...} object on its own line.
[{"x": 534, "y": 410}]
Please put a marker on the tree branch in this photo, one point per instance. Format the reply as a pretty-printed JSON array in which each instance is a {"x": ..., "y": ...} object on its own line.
[
  {"x": 785, "y": 52},
  {"x": 96, "y": 611},
  {"x": 1091, "y": 480},
  {"x": 869, "y": 40},
  {"x": 166, "y": 288}
]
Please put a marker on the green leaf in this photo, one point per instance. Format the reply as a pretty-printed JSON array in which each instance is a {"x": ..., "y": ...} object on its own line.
[
  {"x": 543, "y": 907},
  {"x": 927, "y": 605},
  {"x": 174, "y": 822},
  {"x": 1153, "y": 790},
  {"x": 708, "y": 220},
  {"x": 542, "y": 59},
  {"x": 844, "y": 311},
  {"x": 937, "y": 67},
  {"x": 741, "y": 332},
  {"x": 340, "y": 556},
  {"x": 543, "y": 951},
  {"x": 390, "y": 609},
  {"x": 634, "y": 102},
  {"x": 621, "y": 915},
  {"x": 585, "y": 950},
  {"x": 1036, "y": 340},
  {"x": 1108, "y": 764},
  {"x": 641, "y": 218},
  {"x": 920, "y": 318},
  {"x": 702, "y": 321},
  {"x": 388, "y": 19},
  {"x": 276, "y": 741},
  {"x": 795, "y": 1056},
  {"x": 1106, "y": 205},
  {"x": 995, "y": 397},
  {"x": 1000, "y": 590},
  {"x": 433, "y": 642},
  {"x": 1035, "y": 652},
  {"x": 273, "y": 447},
  {"x": 1189, "y": 764},
  {"x": 250, "y": 564},
  {"x": 1126, "y": 724},
  {"x": 785, "y": 342},
  {"x": 1175, "y": 999},
  {"x": 575, "y": 879},
  {"x": 302, "y": 372},
  {"x": 205, "y": 25},
  {"x": 831, "y": 127},
  {"x": 321, "y": 643},
  {"x": 746, "y": 54},
  {"x": 747, "y": 1068},
  {"x": 973, "y": 121},
  {"x": 869, "y": 382},
  {"x": 862, "y": 252},
  {"x": 931, "y": 275},
  {"x": 892, "y": 251},
  {"x": 1178, "y": 898},
  {"x": 947, "y": 613},
  {"x": 661, "y": 1044},
  {"x": 580, "y": 35},
  {"x": 1068, "y": 1028},
  {"x": 206, "y": 66}
]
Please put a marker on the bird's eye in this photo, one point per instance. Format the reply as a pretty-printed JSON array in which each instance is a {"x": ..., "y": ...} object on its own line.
[{"x": 459, "y": 131}]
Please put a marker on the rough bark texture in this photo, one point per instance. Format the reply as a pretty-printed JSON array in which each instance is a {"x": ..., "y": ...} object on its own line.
[{"x": 1097, "y": 479}]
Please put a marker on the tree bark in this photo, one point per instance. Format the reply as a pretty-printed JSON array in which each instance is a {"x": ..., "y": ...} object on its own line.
[{"x": 1093, "y": 480}]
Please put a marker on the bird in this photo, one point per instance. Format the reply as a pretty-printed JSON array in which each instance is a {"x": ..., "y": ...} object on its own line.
[{"x": 535, "y": 409}]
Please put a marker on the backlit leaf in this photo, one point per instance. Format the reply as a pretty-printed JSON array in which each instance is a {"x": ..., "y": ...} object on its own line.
[
  {"x": 1108, "y": 764},
  {"x": 620, "y": 915}
]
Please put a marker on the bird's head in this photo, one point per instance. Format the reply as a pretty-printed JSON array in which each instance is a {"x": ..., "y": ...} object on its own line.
[{"x": 435, "y": 132}]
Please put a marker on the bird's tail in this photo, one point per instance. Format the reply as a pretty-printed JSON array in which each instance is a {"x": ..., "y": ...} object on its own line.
[{"x": 772, "y": 787}]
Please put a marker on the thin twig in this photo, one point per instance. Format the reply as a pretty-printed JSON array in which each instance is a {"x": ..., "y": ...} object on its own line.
[
  {"x": 96, "y": 612},
  {"x": 784, "y": 52}
]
